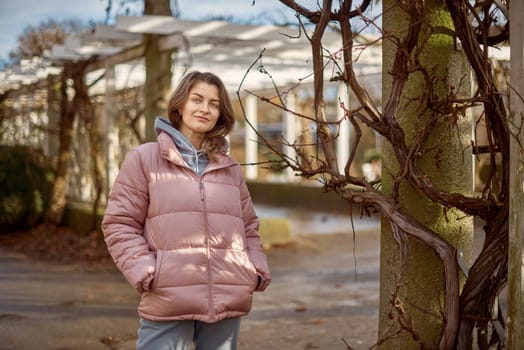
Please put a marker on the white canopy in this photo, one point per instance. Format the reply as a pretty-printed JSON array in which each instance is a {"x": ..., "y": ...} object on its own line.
[{"x": 225, "y": 48}]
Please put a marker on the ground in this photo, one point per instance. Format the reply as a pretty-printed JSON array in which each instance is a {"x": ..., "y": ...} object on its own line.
[
  {"x": 60, "y": 246},
  {"x": 324, "y": 294}
]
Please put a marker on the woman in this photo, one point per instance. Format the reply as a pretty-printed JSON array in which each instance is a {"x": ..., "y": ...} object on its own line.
[{"x": 181, "y": 227}]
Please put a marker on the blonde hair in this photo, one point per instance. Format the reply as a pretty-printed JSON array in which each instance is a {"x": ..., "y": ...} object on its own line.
[{"x": 215, "y": 139}]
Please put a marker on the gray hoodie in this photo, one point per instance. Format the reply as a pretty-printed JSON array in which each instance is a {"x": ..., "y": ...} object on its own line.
[{"x": 196, "y": 159}]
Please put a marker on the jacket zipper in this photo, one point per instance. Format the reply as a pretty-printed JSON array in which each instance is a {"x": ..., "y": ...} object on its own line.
[{"x": 208, "y": 251}]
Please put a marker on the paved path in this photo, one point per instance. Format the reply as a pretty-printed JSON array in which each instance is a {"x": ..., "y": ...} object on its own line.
[
  {"x": 313, "y": 302},
  {"x": 48, "y": 306}
]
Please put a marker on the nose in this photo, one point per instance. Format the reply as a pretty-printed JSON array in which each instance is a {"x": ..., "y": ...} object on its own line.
[{"x": 205, "y": 107}]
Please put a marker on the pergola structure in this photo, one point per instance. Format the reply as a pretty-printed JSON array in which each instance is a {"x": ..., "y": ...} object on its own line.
[
  {"x": 220, "y": 46},
  {"x": 246, "y": 57}
]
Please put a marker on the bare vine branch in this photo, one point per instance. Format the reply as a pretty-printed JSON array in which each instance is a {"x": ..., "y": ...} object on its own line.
[{"x": 476, "y": 26}]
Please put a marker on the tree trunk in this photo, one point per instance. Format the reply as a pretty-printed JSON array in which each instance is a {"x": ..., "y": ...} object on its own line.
[
  {"x": 69, "y": 109},
  {"x": 53, "y": 114},
  {"x": 67, "y": 115},
  {"x": 158, "y": 70},
  {"x": 91, "y": 121},
  {"x": 411, "y": 278}
]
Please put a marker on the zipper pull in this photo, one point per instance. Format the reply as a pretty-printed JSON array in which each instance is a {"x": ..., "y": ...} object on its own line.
[{"x": 201, "y": 185}]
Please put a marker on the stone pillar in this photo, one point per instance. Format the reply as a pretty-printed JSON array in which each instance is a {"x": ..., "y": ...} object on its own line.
[
  {"x": 251, "y": 138},
  {"x": 111, "y": 131},
  {"x": 290, "y": 125},
  {"x": 401, "y": 280},
  {"x": 343, "y": 139},
  {"x": 516, "y": 221}
]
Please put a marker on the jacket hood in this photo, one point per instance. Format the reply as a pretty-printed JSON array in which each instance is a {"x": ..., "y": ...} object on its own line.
[{"x": 196, "y": 159}]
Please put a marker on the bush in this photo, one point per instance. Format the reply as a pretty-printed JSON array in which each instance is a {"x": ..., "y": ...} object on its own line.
[{"x": 26, "y": 184}]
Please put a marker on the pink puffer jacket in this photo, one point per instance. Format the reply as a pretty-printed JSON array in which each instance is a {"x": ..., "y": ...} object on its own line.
[{"x": 196, "y": 237}]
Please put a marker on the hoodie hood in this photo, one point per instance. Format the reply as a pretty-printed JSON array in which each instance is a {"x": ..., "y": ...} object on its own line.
[{"x": 195, "y": 159}]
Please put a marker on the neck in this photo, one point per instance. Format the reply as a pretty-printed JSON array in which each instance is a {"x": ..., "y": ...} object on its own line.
[{"x": 196, "y": 139}]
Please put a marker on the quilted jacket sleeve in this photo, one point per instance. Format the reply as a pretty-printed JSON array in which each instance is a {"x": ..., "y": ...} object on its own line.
[
  {"x": 123, "y": 223},
  {"x": 254, "y": 244}
]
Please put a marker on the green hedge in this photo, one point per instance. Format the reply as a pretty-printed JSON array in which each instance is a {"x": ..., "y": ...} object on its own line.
[
  {"x": 79, "y": 217},
  {"x": 26, "y": 180},
  {"x": 295, "y": 195}
]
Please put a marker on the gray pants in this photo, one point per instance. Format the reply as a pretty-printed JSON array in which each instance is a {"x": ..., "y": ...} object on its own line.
[{"x": 181, "y": 335}]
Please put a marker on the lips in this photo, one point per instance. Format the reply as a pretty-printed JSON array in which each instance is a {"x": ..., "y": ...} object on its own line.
[{"x": 202, "y": 118}]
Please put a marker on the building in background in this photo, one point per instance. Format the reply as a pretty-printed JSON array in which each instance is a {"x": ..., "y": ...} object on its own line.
[{"x": 263, "y": 67}]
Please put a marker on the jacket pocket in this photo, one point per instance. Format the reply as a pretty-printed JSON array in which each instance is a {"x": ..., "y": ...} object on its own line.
[
  {"x": 180, "y": 267},
  {"x": 256, "y": 276},
  {"x": 251, "y": 269},
  {"x": 158, "y": 267}
]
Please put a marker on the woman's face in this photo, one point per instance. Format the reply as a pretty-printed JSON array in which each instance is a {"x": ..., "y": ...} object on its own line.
[{"x": 200, "y": 112}]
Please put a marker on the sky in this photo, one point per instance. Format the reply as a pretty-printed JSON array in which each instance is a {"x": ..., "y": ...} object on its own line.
[{"x": 16, "y": 15}]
